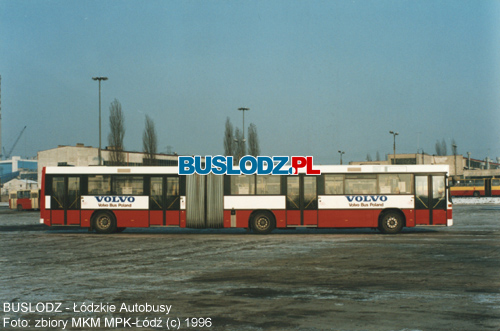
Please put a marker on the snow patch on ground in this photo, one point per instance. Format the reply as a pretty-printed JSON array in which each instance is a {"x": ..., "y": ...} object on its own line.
[{"x": 476, "y": 201}]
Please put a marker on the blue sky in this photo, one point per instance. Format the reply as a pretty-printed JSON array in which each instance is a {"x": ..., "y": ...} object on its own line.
[{"x": 318, "y": 76}]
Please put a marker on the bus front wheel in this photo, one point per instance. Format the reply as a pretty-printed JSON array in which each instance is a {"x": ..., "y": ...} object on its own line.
[
  {"x": 104, "y": 223},
  {"x": 391, "y": 222},
  {"x": 263, "y": 222}
]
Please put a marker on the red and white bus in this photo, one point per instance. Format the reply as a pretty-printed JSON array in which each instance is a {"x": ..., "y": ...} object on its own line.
[
  {"x": 110, "y": 199},
  {"x": 476, "y": 187},
  {"x": 24, "y": 200}
]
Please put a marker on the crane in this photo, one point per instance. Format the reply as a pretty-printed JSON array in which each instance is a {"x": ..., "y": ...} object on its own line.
[{"x": 7, "y": 155}]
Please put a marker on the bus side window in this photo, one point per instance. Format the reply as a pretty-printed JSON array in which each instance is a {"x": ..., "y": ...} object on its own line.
[
  {"x": 395, "y": 184},
  {"x": 243, "y": 185},
  {"x": 128, "y": 185},
  {"x": 99, "y": 184},
  {"x": 334, "y": 184},
  {"x": 361, "y": 184},
  {"x": 268, "y": 184}
]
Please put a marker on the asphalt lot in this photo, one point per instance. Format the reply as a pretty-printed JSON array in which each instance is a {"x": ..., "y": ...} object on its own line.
[{"x": 422, "y": 279}]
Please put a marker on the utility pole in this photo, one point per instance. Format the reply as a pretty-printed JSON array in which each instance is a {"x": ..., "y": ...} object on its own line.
[
  {"x": 394, "y": 146},
  {"x": 241, "y": 144},
  {"x": 341, "y": 152},
  {"x": 243, "y": 109},
  {"x": 100, "y": 79},
  {"x": 454, "y": 148}
]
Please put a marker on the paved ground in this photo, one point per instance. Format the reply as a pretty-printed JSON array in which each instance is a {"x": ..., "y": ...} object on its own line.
[{"x": 421, "y": 279}]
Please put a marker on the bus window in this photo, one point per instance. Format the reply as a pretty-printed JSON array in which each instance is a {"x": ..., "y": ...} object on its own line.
[
  {"x": 310, "y": 194},
  {"x": 361, "y": 184},
  {"x": 173, "y": 201},
  {"x": 395, "y": 184},
  {"x": 292, "y": 193},
  {"x": 334, "y": 184},
  {"x": 421, "y": 192},
  {"x": 268, "y": 184},
  {"x": 243, "y": 185},
  {"x": 128, "y": 185},
  {"x": 156, "y": 194},
  {"x": 57, "y": 193},
  {"x": 74, "y": 193},
  {"x": 438, "y": 192},
  {"x": 99, "y": 184}
]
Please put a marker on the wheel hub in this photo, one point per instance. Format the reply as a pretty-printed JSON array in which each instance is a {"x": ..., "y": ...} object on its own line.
[
  {"x": 262, "y": 223},
  {"x": 392, "y": 222}
]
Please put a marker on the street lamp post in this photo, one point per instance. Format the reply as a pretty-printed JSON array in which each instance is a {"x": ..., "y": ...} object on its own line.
[
  {"x": 394, "y": 146},
  {"x": 243, "y": 109},
  {"x": 341, "y": 152},
  {"x": 100, "y": 79}
]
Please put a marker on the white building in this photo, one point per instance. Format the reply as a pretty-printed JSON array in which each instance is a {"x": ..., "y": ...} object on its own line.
[
  {"x": 19, "y": 184},
  {"x": 82, "y": 156}
]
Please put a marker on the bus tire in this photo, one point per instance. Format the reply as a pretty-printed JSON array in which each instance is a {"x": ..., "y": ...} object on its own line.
[
  {"x": 262, "y": 222},
  {"x": 19, "y": 208},
  {"x": 476, "y": 194},
  {"x": 391, "y": 222},
  {"x": 104, "y": 222}
]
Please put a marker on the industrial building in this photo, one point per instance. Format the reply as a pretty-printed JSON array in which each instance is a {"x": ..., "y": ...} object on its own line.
[
  {"x": 460, "y": 166},
  {"x": 17, "y": 167},
  {"x": 83, "y": 156}
]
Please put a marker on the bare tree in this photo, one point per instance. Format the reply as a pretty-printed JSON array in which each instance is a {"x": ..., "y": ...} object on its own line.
[
  {"x": 149, "y": 142},
  {"x": 253, "y": 141},
  {"x": 441, "y": 148},
  {"x": 116, "y": 134},
  {"x": 229, "y": 143},
  {"x": 368, "y": 157},
  {"x": 377, "y": 157}
]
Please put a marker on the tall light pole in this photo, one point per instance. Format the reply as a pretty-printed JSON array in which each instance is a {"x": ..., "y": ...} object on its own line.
[
  {"x": 394, "y": 146},
  {"x": 243, "y": 109},
  {"x": 341, "y": 152},
  {"x": 100, "y": 79}
]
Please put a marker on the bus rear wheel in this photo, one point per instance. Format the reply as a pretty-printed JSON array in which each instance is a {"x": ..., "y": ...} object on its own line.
[
  {"x": 391, "y": 223},
  {"x": 263, "y": 222},
  {"x": 19, "y": 208},
  {"x": 104, "y": 223}
]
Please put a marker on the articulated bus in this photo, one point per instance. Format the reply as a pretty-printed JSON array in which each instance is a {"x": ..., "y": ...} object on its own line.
[
  {"x": 479, "y": 187},
  {"x": 24, "y": 200},
  {"x": 110, "y": 199}
]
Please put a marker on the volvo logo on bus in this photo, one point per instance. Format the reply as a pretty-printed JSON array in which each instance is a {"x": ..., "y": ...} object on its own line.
[
  {"x": 115, "y": 199},
  {"x": 366, "y": 198}
]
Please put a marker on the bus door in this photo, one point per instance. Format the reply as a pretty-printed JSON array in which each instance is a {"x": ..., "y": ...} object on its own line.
[
  {"x": 487, "y": 187},
  {"x": 164, "y": 201},
  {"x": 65, "y": 199},
  {"x": 430, "y": 199},
  {"x": 302, "y": 201}
]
